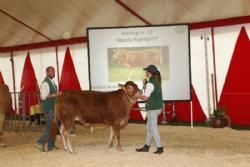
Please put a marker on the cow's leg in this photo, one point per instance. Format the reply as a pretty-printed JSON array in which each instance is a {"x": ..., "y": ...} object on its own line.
[
  {"x": 111, "y": 137},
  {"x": 2, "y": 119},
  {"x": 63, "y": 138},
  {"x": 117, "y": 135},
  {"x": 2, "y": 144},
  {"x": 71, "y": 150},
  {"x": 66, "y": 132},
  {"x": 67, "y": 143}
]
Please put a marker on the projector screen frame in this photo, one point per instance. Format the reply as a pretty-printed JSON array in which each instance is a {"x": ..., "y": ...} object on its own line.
[{"x": 141, "y": 26}]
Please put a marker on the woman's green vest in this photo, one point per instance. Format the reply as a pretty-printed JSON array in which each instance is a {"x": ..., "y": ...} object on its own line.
[{"x": 154, "y": 101}]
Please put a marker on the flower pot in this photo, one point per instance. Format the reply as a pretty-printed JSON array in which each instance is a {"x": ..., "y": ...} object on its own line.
[
  {"x": 225, "y": 122},
  {"x": 219, "y": 122}
]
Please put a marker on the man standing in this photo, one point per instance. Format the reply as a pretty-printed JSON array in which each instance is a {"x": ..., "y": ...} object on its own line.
[{"x": 48, "y": 96}]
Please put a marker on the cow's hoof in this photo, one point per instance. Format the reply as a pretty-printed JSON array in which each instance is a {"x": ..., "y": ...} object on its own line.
[
  {"x": 110, "y": 146},
  {"x": 119, "y": 149},
  {"x": 72, "y": 152},
  {"x": 2, "y": 145}
]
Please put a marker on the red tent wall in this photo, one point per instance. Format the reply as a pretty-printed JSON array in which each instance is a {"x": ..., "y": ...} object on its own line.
[
  {"x": 135, "y": 115},
  {"x": 169, "y": 113},
  {"x": 235, "y": 95},
  {"x": 29, "y": 87},
  {"x": 183, "y": 110},
  {"x": 69, "y": 79},
  {"x": 209, "y": 24}
]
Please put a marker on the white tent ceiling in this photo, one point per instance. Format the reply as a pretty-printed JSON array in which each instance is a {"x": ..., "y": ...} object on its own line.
[{"x": 57, "y": 19}]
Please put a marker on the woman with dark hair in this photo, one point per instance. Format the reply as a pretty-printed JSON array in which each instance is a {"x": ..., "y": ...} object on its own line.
[{"x": 153, "y": 97}]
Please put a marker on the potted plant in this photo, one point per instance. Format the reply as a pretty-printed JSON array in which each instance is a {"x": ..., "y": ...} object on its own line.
[{"x": 219, "y": 119}]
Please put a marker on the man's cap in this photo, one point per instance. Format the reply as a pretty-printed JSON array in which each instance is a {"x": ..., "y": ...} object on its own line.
[{"x": 151, "y": 68}]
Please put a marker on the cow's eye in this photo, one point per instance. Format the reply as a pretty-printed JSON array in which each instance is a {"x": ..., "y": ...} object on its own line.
[{"x": 130, "y": 87}]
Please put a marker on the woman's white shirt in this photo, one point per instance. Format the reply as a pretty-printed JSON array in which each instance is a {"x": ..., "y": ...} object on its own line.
[{"x": 149, "y": 89}]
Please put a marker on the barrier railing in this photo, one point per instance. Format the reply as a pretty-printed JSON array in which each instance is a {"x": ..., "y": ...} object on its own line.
[
  {"x": 168, "y": 112},
  {"x": 26, "y": 113}
]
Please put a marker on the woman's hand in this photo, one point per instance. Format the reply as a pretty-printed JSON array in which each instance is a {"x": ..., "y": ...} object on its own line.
[{"x": 142, "y": 97}]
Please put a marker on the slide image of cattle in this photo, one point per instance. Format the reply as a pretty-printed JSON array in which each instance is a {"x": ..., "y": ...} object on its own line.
[{"x": 127, "y": 63}]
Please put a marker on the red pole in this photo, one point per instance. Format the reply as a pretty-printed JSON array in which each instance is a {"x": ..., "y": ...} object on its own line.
[
  {"x": 57, "y": 66},
  {"x": 214, "y": 63}
]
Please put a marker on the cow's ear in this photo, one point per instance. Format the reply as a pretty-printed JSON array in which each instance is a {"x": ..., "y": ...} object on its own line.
[{"x": 121, "y": 86}]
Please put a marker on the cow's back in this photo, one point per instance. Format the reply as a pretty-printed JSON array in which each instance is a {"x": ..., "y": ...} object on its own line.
[{"x": 140, "y": 58}]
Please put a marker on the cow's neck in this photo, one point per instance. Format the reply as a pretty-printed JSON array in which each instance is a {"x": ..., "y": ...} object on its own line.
[
  {"x": 130, "y": 101},
  {"x": 127, "y": 99}
]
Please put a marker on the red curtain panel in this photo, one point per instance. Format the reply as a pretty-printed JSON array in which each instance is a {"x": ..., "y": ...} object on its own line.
[
  {"x": 69, "y": 79},
  {"x": 29, "y": 92},
  {"x": 183, "y": 110},
  {"x": 235, "y": 95},
  {"x": 135, "y": 114}
]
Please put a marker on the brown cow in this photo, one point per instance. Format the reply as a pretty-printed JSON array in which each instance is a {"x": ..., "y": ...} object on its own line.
[
  {"x": 5, "y": 106},
  {"x": 93, "y": 107},
  {"x": 137, "y": 58}
]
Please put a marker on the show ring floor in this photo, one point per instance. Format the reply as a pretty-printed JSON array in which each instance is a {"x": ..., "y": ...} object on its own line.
[{"x": 184, "y": 147}]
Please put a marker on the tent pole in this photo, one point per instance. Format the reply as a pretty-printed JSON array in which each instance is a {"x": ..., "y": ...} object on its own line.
[
  {"x": 164, "y": 119},
  {"x": 213, "y": 91},
  {"x": 57, "y": 66},
  {"x": 14, "y": 79},
  {"x": 191, "y": 112},
  {"x": 214, "y": 64},
  {"x": 205, "y": 38}
]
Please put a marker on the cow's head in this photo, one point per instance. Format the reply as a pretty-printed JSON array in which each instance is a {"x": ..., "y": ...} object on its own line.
[
  {"x": 131, "y": 90},
  {"x": 118, "y": 55}
]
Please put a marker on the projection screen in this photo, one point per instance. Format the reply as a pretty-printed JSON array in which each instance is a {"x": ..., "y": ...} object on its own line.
[{"x": 118, "y": 54}]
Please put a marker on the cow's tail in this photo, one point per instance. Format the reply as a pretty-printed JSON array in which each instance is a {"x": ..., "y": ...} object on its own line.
[{"x": 53, "y": 130}]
